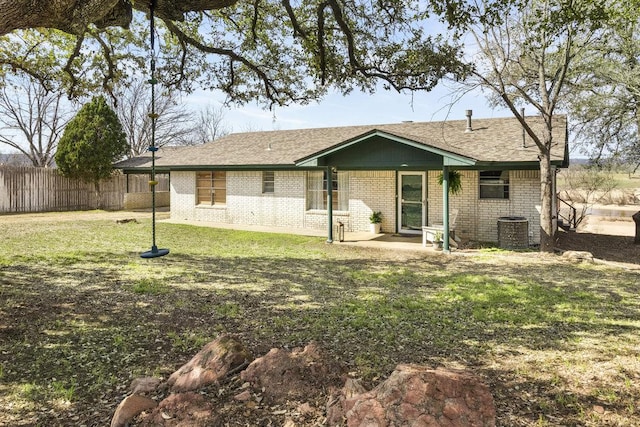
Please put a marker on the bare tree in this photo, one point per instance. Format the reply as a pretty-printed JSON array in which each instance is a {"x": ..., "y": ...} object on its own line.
[
  {"x": 174, "y": 125},
  {"x": 525, "y": 59},
  {"x": 14, "y": 159},
  {"x": 587, "y": 185},
  {"x": 209, "y": 125},
  {"x": 32, "y": 119}
]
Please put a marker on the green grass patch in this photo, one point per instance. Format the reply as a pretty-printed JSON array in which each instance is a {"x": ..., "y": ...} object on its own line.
[
  {"x": 150, "y": 286},
  {"x": 64, "y": 390},
  {"x": 82, "y": 314},
  {"x": 32, "y": 392},
  {"x": 188, "y": 340}
]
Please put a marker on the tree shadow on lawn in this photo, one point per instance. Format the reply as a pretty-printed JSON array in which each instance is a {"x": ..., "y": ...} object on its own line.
[
  {"x": 86, "y": 323},
  {"x": 602, "y": 246}
]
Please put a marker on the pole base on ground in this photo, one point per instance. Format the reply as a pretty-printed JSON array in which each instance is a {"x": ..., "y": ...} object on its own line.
[{"x": 154, "y": 253}]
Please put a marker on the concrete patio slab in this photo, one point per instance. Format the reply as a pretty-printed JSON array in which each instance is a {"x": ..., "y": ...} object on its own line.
[{"x": 362, "y": 239}]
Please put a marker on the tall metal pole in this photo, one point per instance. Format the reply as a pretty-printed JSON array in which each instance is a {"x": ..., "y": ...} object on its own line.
[
  {"x": 154, "y": 252},
  {"x": 153, "y": 116}
]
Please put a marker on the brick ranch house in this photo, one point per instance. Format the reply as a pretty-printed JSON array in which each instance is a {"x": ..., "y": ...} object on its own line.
[{"x": 280, "y": 178}]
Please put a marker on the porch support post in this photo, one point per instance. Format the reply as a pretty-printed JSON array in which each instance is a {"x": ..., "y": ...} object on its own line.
[
  {"x": 445, "y": 209},
  {"x": 329, "y": 205}
]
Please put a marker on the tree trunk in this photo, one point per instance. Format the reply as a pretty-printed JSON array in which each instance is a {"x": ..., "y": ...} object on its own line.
[
  {"x": 73, "y": 16},
  {"x": 98, "y": 195},
  {"x": 547, "y": 235},
  {"x": 68, "y": 15},
  {"x": 636, "y": 219}
]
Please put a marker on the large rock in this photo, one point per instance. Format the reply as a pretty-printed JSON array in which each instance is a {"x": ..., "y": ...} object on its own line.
[
  {"x": 298, "y": 374},
  {"x": 144, "y": 385},
  {"x": 131, "y": 407},
  {"x": 212, "y": 363},
  {"x": 182, "y": 410},
  {"x": 578, "y": 256},
  {"x": 337, "y": 405},
  {"x": 418, "y": 396}
]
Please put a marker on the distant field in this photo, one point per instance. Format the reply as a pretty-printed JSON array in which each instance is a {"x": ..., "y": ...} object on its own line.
[
  {"x": 622, "y": 180},
  {"x": 625, "y": 180}
]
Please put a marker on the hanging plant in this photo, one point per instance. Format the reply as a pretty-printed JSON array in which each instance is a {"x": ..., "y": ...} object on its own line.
[{"x": 455, "y": 182}]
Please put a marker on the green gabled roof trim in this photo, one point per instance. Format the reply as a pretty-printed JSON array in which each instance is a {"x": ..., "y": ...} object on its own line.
[{"x": 449, "y": 158}]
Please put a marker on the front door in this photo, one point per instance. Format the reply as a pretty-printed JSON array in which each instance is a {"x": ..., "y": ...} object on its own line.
[{"x": 412, "y": 202}]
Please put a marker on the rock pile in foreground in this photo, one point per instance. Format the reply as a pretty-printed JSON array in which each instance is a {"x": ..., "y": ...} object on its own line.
[{"x": 302, "y": 386}]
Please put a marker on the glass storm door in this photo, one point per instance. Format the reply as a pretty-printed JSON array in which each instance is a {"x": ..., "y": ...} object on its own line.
[{"x": 411, "y": 202}]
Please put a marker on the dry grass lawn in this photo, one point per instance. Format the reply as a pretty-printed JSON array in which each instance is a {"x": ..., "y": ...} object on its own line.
[{"x": 81, "y": 315}]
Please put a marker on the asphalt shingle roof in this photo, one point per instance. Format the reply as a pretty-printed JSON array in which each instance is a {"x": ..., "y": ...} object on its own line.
[{"x": 492, "y": 140}]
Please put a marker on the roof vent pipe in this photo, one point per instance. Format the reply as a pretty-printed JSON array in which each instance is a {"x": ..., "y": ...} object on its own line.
[
  {"x": 469, "y": 128},
  {"x": 524, "y": 135}
]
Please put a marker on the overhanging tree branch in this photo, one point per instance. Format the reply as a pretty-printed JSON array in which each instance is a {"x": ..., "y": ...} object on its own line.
[
  {"x": 297, "y": 28},
  {"x": 68, "y": 66},
  {"x": 109, "y": 76},
  {"x": 235, "y": 46},
  {"x": 272, "y": 92}
]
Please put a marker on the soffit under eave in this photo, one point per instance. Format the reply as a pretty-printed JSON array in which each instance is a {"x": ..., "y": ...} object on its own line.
[{"x": 449, "y": 158}]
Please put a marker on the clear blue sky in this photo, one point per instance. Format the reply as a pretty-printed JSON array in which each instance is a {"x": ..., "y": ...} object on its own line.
[{"x": 355, "y": 109}]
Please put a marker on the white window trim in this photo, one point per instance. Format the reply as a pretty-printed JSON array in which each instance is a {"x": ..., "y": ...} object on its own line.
[
  {"x": 272, "y": 182},
  {"x": 342, "y": 195}
]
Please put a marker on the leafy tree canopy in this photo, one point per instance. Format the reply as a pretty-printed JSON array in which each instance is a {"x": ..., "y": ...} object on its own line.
[
  {"x": 92, "y": 141},
  {"x": 605, "y": 106},
  {"x": 274, "y": 51}
]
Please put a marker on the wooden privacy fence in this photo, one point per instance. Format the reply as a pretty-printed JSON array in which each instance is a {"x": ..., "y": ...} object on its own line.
[{"x": 30, "y": 189}]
